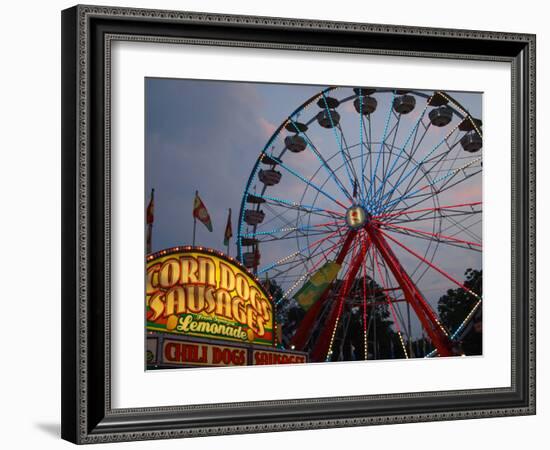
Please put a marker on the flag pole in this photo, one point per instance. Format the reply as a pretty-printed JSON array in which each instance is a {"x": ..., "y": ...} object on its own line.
[
  {"x": 149, "y": 243},
  {"x": 195, "y": 220},
  {"x": 149, "y": 220},
  {"x": 229, "y": 239}
]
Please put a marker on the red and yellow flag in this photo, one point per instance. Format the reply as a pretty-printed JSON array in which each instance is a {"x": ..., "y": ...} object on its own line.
[
  {"x": 228, "y": 230},
  {"x": 200, "y": 212}
]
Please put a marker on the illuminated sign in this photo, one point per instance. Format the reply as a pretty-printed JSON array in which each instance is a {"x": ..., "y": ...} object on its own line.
[
  {"x": 269, "y": 357},
  {"x": 184, "y": 351},
  {"x": 202, "y": 354},
  {"x": 200, "y": 292}
]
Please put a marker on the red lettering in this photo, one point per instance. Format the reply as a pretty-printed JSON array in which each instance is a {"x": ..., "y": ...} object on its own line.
[{"x": 268, "y": 358}]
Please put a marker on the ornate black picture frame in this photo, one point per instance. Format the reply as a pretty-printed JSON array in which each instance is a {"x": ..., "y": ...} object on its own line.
[{"x": 87, "y": 35}]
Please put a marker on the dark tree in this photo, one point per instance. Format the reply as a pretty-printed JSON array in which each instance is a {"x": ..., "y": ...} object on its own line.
[
  {"x": 287, "y": 311},
  {"x": 349, "y": 342},
  {"x": 456, "y": 304}
]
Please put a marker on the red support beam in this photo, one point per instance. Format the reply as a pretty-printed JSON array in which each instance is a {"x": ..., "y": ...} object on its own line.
[
  {"x": 322, "y": 345},
  {"x": 300, "y": 338},
  {"x": 413, "y": 296}
]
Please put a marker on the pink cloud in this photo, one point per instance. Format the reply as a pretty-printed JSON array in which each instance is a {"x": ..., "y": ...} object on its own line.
[
  {"x": 266, "y": 127},
  {"x": 469, "y": 193}
]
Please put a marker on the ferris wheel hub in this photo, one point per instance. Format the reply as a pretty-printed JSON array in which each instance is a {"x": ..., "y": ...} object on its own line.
[{"x": 356, "y": 217}]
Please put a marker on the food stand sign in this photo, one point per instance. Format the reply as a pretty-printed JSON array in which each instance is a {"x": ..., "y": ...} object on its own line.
[
  {"x": 201, "y": 292},
  {"x": 185, "y": 351},
  {"x": 175, "y": 352}
]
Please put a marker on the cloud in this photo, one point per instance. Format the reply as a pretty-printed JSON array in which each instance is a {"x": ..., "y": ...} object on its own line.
[{"x": 267, "y": 127}]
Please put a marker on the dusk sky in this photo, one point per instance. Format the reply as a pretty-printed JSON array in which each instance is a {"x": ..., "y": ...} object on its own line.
[{"x": 207, "y": 136}]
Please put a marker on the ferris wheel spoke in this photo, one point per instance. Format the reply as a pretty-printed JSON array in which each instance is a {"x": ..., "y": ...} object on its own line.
[
  {"x": 298, "y": 206},
  {"x": 461, "y": 215},
  {"x": 323, "y": 234},
  {"x": 322, "y": 186},
  {"x": 433, "y": 266},
  {"x": 413, "y": 182},
  {"x": 296, "y": 253},
  {"x": 441, "y": 160},
  {"x": 350, "y": 160},
  {"x": 419, "y": 165},
  {"x": 446, "y": 186},
  {"x": 323, "y": 162},
  {"x": 280, "y": 216},
  {"x": 361, "y": 146},
  {"x": 391, "y": 185},
  {"x": 451, "y": 163},
  {"x": 448, "y": 176},
  {"x": 443, "y": 209},
  {"x": 431, "y": 212},
  {"x": 390, "y": 171},
  {"x": 448, "y": 172},
  {"x": 306, "y": 181},
  {"x": 415, "y": 146},
  {"x": 370, "y": 154},
  {"x": 338, "y": 141},
  {"x": 386, "y": 149},
  {"x": 291, "y": 229},
  {"x": 414, "y": 203},
  {"x": 384, "y": 136},
  {"x": 390, "y": 147},
  {"x": 291, "y": 236},
  {"x": 290, "y": 270},
  {"x": 275, "y": 218},
  {"x": 462, "y": 228},
  {"x": 427, "y": 216},
  {"x": 441, "y": 238},
  {"x": 307, "y": 212}
]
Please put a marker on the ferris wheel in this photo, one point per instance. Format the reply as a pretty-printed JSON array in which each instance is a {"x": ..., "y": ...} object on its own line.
[{"x": 384, "y": 185}]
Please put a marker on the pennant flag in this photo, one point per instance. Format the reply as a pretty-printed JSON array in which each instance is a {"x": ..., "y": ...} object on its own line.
[
  {"x": 313, "y": 288},
  {"x": 151, "y": 208},
  {"x": 228, "y": 230},
  {"x": 200, "y": 212}
]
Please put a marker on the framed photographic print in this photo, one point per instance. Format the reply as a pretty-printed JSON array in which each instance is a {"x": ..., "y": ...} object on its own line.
[{"x": 260, "y": 215}]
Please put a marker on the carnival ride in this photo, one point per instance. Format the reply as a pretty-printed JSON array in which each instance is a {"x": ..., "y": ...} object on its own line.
[{"x": 385, "y": 183}]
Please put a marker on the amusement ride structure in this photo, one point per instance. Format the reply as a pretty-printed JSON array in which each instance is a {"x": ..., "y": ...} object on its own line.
[{"x": 386, "y": 185}]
